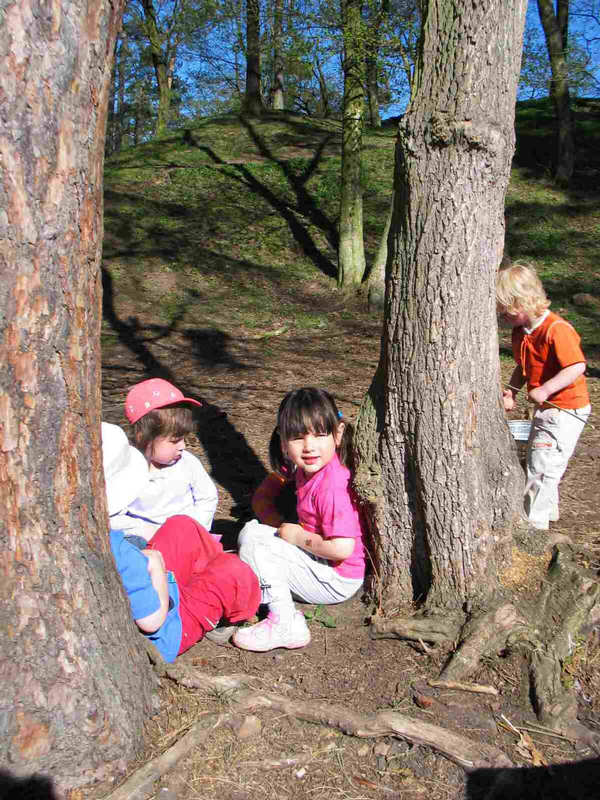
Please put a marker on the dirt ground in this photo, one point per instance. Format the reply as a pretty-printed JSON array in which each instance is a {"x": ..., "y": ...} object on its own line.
[{"x": 242, "y": 376}]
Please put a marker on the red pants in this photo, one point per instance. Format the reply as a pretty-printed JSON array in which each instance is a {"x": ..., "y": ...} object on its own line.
[{"x": 212, "y": 584}]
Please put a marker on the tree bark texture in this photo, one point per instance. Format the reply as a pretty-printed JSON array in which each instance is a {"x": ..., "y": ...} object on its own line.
[
  {"x": 437, "y": 468},
  {"x": 75, "y": 688},
  {"x": 351, "y": 251},
  {"x": 556, "y": 32},
  {"x": 253, "y": 104}
]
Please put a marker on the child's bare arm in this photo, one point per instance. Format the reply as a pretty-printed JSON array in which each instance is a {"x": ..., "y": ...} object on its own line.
[
  {"x": 517, "y": 379},
  {"x": 335, "y": 549},
  {"x": 560, "y": 381},
  {"x": 158, "y": 577}
]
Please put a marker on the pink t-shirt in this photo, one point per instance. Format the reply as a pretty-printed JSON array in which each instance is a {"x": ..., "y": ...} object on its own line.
[{"x": 326, "y": 506}]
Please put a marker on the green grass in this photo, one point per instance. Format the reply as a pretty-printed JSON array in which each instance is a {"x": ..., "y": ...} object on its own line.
[{"x": 233, "y": 220}]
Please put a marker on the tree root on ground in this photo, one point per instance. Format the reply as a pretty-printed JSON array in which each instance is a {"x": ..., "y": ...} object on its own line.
[
  {"x": 547, "y": 635},
  {"x": 462, "y": 751}
]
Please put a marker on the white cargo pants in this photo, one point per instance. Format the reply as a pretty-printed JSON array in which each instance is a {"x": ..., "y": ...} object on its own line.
[
  {"x": 284, "y": 570},
  {"x": 552, "y": 441}
]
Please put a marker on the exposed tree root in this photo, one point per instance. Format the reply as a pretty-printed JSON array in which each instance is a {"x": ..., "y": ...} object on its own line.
[
  {"x": 462, "y": 751},
  {"x": 546, "y": 633},
  {"x": 434, "y": 629}
]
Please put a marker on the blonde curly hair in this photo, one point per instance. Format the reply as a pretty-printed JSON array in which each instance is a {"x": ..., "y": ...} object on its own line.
[{"x": 518, "y": 288}]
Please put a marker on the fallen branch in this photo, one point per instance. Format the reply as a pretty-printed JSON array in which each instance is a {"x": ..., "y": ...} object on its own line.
[
  {"x": 140, "y": 785},
  {"x": 464, "y": 687}
]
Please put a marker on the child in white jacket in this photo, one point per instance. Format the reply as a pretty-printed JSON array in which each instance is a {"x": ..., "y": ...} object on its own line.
[{"x": 175, "y": 482}]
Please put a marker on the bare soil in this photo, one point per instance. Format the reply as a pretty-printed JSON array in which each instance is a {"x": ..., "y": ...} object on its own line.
[{"x": 241, "y": 379}]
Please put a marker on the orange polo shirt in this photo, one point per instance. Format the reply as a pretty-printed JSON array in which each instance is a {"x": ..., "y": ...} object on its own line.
[{"x": 545, "y": 351}]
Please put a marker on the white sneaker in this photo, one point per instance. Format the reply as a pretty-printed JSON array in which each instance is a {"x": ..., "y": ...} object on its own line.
[{"x": 271, "y": 633}]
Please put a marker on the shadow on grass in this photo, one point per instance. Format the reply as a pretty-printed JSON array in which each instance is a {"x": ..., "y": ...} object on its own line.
[
  {"x": 233, "y": 463},
  {"x": 536, "y": 141},
  {"x": 306, "y": 205}
]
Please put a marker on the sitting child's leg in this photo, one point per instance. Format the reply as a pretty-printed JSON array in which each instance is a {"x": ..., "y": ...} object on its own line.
[
  {"x": 225, "y": 588},
  {"x": 186, "y": 547},
  {"x": 283, "y": 570}
]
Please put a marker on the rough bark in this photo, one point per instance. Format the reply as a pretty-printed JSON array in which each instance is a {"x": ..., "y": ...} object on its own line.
[
  {"x": 438, "y": 471},
  {"x": 351, "y": 250},
  {"x": 75, "y": 691},
  {"x": 556, "y": 32},
  {"x": 253, "y": 104}
]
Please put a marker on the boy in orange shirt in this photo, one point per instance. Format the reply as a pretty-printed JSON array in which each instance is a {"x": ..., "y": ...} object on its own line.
[{"x": 549, "y": 358}]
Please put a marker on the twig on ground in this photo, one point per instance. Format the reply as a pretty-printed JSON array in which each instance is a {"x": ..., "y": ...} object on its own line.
[{"x": 477, "y": 688}]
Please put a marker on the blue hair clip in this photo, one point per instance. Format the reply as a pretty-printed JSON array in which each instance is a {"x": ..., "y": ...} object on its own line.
[{"x": 340, "y": 415}]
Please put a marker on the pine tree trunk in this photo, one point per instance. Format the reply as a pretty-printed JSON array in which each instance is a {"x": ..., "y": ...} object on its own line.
[
  {"x": 75, "y": 688},
  {"x": 437, "y": 470},
  {"x": 351, "y": 252},
  {"x": 556, "y": 40}
]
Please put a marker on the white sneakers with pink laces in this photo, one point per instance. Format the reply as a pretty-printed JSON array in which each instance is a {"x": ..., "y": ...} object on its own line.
[{"x": 272, "y": 633}]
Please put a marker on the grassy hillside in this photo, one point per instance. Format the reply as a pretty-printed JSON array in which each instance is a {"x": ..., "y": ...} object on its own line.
[{"x": 232, "y": 221}]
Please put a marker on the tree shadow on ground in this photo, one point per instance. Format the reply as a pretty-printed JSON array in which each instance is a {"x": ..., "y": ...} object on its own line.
[
  {"x": 35, "y": 787},
  {"x": 576, "y": 781},
  {"x": 306, "y": 205},
  {"x": 536, "y": 141},
  {"x": 233, "y": 463}
]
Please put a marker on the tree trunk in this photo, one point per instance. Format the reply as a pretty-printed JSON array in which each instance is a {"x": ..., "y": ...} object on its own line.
[
  {"x": 373, "y": 92},
  {"x": 123, "y": 126},
  {"x": 556, "y": 32},
  {"x": 76, "y": 688},
  {"x": 377, "y": 276},
  {"x": 437, "y": 467},
  {"x": 253, "y": 104},
  {"x": 351, "y": 252},
  {"x": 161, "y": 67},
  {"x": 278, "y": 103},
  {"x": 324, "y": 109}
]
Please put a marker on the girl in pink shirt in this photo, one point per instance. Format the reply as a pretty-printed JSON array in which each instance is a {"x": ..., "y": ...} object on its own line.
[{"x": 321, "y": 558}]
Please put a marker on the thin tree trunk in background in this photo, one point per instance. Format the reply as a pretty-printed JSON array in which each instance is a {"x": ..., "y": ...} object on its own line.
[
  {"x": 323, "y": 91},
  {"x": 121, "y": 72},
  {"x": 278, "y": 103},
  {"x": 161, "y": 67},
  {"x": 436, "y": 465},
  {"x": 373, "y": 92},
  {"x": 76, "y": 689},
  {"x": 351, "y": 253},
  {"x": 253, "y": 104},
  {"x": 376, "y": 295},
  {"x": 556, "y": 32}
]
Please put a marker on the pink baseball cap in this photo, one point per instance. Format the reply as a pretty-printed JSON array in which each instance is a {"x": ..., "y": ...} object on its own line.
[{"x": 151, "y": 394}]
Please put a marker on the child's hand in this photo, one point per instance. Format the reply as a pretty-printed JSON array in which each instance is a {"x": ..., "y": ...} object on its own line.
[
  {"x": 508, "y": 399},
  {"x": 538, "y": 395}
]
